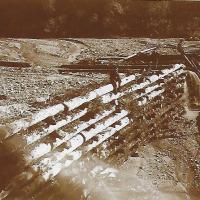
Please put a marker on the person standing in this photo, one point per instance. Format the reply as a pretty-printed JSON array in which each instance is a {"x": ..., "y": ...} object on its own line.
[{"x": 115, "y": 80}]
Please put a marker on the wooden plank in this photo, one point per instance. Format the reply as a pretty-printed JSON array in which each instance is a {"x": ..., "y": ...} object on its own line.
[
  {"x": 106, "y": 69},
  {"x": 135, "y": 54},
  {"x": 14, "y": 64}
]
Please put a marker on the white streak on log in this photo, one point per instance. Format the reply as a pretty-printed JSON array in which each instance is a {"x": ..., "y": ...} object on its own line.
[
  {"x": 41, "y": 150},
  {"x": 76, "y": 102},
  {"x": 38, "y": 135},
  {"x": 107, "y": 134},
  {"x": 67, "y": 135},
  {"x": 109, "y": 97},
  {"x": 151, "y": 96},
  {"x": 41, "y": 115}
]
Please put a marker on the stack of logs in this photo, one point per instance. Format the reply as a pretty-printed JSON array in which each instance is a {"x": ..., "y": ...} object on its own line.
[{"x": 100, "y": 125}]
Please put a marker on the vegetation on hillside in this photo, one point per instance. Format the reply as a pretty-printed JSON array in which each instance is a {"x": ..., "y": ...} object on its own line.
[{"x": 99, "y": 18}]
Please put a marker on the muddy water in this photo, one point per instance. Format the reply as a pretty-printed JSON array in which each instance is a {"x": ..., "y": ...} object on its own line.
[
  {"x": 191, "y": 115},
  {"x": 104, "y": 182},
  {"x": 191, "y": 97}
]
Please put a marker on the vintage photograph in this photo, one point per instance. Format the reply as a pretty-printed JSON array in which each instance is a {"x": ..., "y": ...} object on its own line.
[{"x": 99, "y": 100}]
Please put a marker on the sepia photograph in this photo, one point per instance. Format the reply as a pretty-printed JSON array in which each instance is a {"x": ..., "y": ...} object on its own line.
[{"x": 99, "y": 100}]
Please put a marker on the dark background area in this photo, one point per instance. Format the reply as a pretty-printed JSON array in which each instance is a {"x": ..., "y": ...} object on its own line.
[{"x": 99, "y": 18}]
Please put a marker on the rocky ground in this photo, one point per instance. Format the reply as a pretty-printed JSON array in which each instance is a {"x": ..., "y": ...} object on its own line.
[
  {"x": 160, "y": 168},
  {"x": 54, "y": 52}
]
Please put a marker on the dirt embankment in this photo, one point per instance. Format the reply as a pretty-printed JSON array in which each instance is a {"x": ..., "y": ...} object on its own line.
[
  {"x": 43, "y": 53},
  {"x": 55, "y": 52}
]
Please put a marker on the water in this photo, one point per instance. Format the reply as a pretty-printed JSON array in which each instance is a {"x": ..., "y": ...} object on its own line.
[
  {"x": 100, "y": 181},
  {"x": 192, "y": 95}
]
